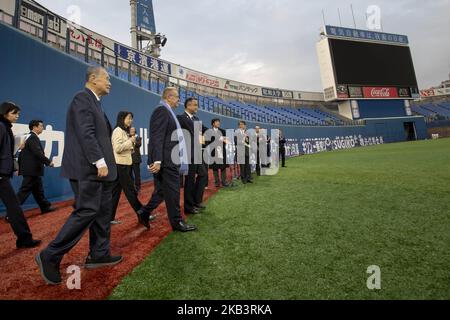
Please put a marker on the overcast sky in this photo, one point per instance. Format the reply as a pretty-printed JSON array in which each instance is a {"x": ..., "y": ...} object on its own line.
[{"x": 271, "y": 42}]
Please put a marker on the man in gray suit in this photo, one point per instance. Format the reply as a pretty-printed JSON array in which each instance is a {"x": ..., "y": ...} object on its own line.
[{"x": 88, "y": 162}]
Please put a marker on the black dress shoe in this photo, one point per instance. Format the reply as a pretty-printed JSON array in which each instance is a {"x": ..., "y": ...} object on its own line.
[
  {"x": 49, "y": 272},
  {"x": 143, "y": 218},
  {"x": 48, "y": 210},
  {"x": 28, "y": 244},
  {"x": 193, "y": 211},
  {"x": 102, "y": 262},
  {"x": 183, "y": 227},
  {"x": 249, "y": 181}
]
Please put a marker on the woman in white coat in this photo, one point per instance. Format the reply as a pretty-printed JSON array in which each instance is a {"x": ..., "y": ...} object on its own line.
[{"x": 123, "y": 147}]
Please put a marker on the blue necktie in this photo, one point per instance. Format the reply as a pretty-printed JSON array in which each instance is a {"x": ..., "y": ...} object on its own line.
[{"x": 184, "y": 168}]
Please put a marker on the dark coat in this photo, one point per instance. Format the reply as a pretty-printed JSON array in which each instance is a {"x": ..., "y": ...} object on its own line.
[
  {"x": 87, "y": 140},
  {"x": 221, "y": 166},
  {"x": 160, "y": 145},
  {"x": 187, "y": 124},
  {"x": 238, "y": 138},
  {"x": 282, "y": 145},
  {"x": 32, "y": 158},
  {"x": 6, "y": 149},
  {"x": 136, "y": 155}
]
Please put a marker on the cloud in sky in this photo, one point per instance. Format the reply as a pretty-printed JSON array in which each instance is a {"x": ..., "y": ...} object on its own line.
[{"x": 269, "y": 42}]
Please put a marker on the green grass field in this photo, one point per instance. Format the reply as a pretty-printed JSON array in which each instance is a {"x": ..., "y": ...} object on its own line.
[{"x": 312, "y": 231}]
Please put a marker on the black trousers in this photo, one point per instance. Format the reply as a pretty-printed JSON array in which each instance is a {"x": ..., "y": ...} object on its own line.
[
  {"x": 246, "y": 172},
  {"x": 283, "y": 156},
  {"x": 33, "y": 185},
  {"x": 124, "y": 182},
  {"x": 137, "y": 175},
  {"x": 223, "y": 171},
  {"x": 167, "y": 188},
  {"x": 258, "y": 164},
  {"x": 194, "y": 185},
  {"x": 92, "y": 212},
  {"x": 14, "y": 211}
]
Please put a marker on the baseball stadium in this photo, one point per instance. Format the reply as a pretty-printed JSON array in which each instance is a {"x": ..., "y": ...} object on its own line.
[{"x": 355, "y": 204}]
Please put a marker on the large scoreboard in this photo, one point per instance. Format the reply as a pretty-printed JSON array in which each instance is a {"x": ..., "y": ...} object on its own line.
[{"x": 361, "y": 64}]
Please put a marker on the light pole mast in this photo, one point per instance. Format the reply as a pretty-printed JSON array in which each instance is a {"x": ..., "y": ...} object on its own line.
[
  {"x": 143, "y": 29},
  {"x": 134, "y": 34}
]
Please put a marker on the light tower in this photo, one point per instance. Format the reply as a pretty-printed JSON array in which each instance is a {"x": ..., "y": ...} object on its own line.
[{"x": 143, "y": 30}]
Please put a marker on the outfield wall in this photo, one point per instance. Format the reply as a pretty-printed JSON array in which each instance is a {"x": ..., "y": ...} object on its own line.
[{"x": 43, "y": 81}]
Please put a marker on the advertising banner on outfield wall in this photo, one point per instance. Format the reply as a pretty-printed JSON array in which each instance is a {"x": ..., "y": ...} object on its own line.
[
  {"x": 95, "y": 40},
  {"x": 315, "y": 145},
  {"x": 309, "y": 96},
  {"x": 199, "y": 78},
  {"x": 142, "y": 59},
  {"x": 367, "y": 35},
  {"x": 34, "y": 14},
  {"x": 380, "y": 92},
  {"x": 434, "y": 92},
  {"x": 239, "y": 87}
]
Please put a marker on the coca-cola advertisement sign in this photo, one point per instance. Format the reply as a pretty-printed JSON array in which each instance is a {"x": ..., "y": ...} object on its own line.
[{"x": 380, "y": 93}]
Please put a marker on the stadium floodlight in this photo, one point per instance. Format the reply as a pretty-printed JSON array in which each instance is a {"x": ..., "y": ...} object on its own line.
[
  {"x": 164, "y": 41},
  {"x": 160, "y": 40}
]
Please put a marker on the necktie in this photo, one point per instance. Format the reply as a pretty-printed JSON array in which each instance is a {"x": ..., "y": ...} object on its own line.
[{"x": 184, "y": 168}]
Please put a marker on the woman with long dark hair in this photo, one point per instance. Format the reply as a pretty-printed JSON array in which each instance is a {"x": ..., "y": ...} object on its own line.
[
  {"x": 123, "y": 147},
  {"x": 9, "y": 114}
]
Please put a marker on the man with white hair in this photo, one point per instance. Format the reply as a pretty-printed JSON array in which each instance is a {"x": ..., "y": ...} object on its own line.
[{"x": 165, "y": 169}]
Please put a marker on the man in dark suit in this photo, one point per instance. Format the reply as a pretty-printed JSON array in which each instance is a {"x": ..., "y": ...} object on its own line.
[
  {"x": 242, "y": 142},
  {"x": 197, "y": 178},
  {"x": 282, "y": 148},
  {"x": 220, "y": 163},
  {"x": 263, "y": 149},
  {"x": 137, "y": 160},
  {"x": 88, "y": 161},
  {"x": 32, "y": 160},
  {"x": 259, "y": 144},
  {"x": 9, "y": 114},
  {"x": 165, "y": 169}
]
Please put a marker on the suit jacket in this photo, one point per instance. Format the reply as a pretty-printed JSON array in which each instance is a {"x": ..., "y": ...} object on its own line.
[
  {"x": 32, "y": 158},
  {"x": 188, "y": 124},
  {"x": 282, "y": 145},
  {"x": 87, "y": 140},
  {"x": 6, "y": 149},
  {"x": 137, "y": 158},
  {"x": 216, "y": 166},
  {"x": 160, "y": 145},
  {"x": 242, "y": 141}
]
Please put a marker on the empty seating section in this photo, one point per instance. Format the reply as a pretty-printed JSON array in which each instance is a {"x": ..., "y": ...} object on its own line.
[
  {"x": 433, "y": 110},
  {"x": 306, "y": 116}
]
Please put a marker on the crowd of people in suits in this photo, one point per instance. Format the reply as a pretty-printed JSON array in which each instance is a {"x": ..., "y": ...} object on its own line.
[{"x": 101, "y": 161}]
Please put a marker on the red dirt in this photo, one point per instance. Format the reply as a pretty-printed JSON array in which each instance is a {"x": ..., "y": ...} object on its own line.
[{"x": 19, "y": 274}]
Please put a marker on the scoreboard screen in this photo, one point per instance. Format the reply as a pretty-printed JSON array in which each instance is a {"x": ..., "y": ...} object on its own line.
[{"x": 359, "y": 63}]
